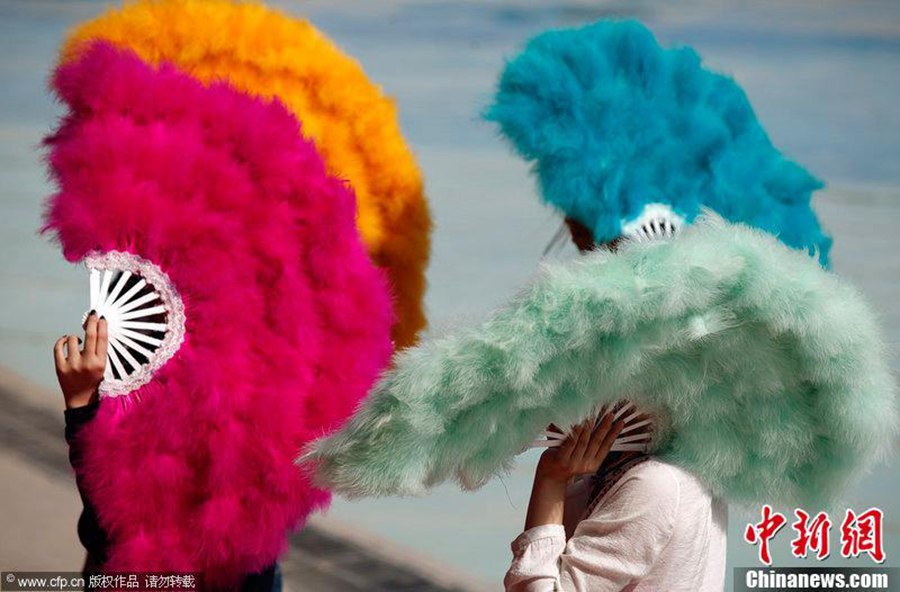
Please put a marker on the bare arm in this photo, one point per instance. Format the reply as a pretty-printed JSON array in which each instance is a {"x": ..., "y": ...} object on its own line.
[
  {"x": 536, "y": 551},
  {"x": 583, "y": 452}
]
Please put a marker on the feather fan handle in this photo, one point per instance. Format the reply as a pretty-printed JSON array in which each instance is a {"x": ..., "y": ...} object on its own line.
[{"x": 628, "y": 439}]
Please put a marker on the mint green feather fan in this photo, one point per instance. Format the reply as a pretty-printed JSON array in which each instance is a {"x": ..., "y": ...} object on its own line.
[{"x": 768, "y": 372}]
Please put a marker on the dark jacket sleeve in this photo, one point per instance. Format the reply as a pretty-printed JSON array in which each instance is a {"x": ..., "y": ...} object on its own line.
[{"x": 91, "y": 535}]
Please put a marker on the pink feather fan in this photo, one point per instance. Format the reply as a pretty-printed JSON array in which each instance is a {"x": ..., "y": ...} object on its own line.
[{"x": 216, "y": 196}]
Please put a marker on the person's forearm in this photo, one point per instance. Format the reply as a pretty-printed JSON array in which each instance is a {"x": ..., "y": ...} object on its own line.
[
  {"x": 90, "y": 533},
  {"x": 547, "y": 504}
]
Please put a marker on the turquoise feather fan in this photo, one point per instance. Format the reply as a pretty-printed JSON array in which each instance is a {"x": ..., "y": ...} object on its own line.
[
  {"x": 613, "y": 123},
  {"x": 768, "y": 372}
]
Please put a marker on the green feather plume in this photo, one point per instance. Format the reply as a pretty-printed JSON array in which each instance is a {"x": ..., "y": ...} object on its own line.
[{"x": 768, "y": 373}]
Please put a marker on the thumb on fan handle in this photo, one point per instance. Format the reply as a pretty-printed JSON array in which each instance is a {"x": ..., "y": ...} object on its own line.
[{"x": 80, "y": 371}]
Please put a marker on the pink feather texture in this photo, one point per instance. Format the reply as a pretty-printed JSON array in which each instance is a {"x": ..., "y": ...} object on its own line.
[{"x": 288, "y": 321}]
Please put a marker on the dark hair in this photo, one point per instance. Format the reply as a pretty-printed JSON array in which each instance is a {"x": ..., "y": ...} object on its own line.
[{"x": 584, "y": 238}]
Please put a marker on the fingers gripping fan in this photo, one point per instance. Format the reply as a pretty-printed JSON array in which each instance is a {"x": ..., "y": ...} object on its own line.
[
  {"x": 245, "y": 317},
  {"x": 144, "y": 315}
]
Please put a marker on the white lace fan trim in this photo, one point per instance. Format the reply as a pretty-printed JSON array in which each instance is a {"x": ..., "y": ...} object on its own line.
[{"x": 121, "y": 307}]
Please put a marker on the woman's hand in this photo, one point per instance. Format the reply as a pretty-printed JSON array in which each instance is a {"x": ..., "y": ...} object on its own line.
[
  {"x": 583, "y": 451},
  {"x": 80, "y": 371}
]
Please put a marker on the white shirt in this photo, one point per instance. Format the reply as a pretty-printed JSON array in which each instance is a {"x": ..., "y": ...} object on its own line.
[{"x": 657, "y": 529}]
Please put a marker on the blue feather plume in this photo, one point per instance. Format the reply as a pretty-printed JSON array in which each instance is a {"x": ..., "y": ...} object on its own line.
[{"x": 612, "y": 122}]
